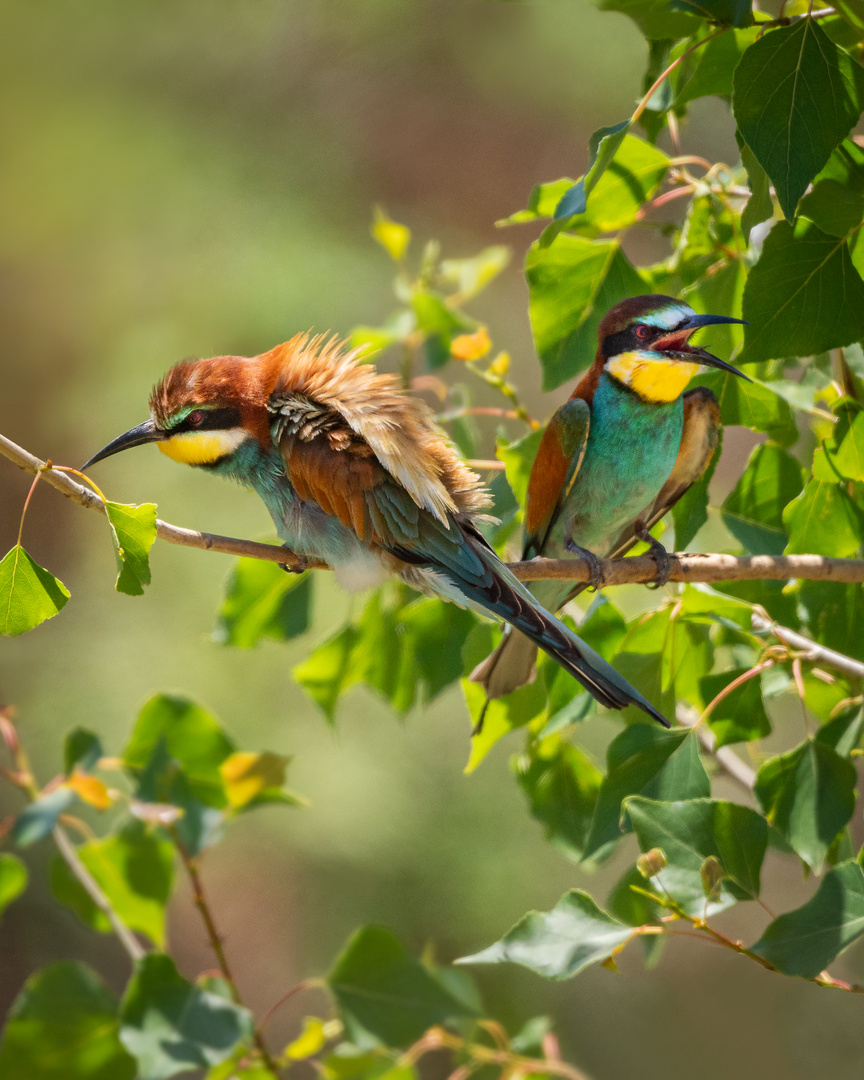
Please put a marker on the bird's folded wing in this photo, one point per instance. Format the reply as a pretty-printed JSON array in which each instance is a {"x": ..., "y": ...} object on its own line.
[{"x": 555, "y": 468}]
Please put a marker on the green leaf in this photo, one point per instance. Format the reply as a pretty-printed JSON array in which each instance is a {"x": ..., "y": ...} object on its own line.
[
  {"x": 28, "y": 593},
  {"x": 518, "y": 457},
  {"x": 836, "y": 203},
  {"x": 135, "y": 871},
  {"x": 560, "y": 943},
  {"x": 541, "y": 202},
  {"x": 171, "y": 1026},
  {"x": 835, "y": 615},
  {"x": 654, "y": 18},
  {"x": 740, "y": 716},
  {"x": 572, "y": 284},
  {"x": 561, "y": 785},
  {"x": 803, "y": 297},
  {"x": 715, "y": 64},
  {"x": 82, "y": 748},
  {"x": 263, "y": 601},
  {"x": 843, "y": 733},
  {"x": 751, "y": 405},
  {"x": 38, "y": 818},
  {"x": 63, "y": 1026},
  {"x": 808, "y": 795},
  {"x": 133, "y": 531},
  {"x": 759, "y": 207},
  {"x": 384, "y": 995},
  {"x": 328, "y": 671},
  {"x": 805, "y": 941},
  {"x": 392, "y": 236},
  {"x": 471, "y": 276},
  {"x": 13, "y": 879},
  {"x": 602, "y": 147},
  {"x": 824, "y": 520},
  {"x": 795, "y": 96},
  {"x": 726, "y": 12},
  {"x": 848, "y": 457},
  {"x": 690, "y": 832},
  {"x": 628, "y": 182},
  {"x": 647, "y": 761},
  {"x": 753, "y": 510}
]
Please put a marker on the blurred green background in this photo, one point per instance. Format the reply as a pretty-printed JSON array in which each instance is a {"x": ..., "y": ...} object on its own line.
[{"x": 186, "y": 179}]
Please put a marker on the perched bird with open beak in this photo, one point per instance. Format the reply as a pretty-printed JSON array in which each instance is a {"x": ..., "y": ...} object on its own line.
[
  {"x": 355, "y": 473},
  {"x": 616, "y": 457}
]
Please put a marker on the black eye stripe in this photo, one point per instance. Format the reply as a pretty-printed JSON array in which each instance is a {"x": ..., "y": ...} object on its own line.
[{"x": 210, "y": 420}]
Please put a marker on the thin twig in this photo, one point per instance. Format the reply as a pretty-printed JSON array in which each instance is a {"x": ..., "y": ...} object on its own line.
[
  {"x": 809, "y": 649},
  {"x": 200, "y": 901},
  {"x": 130, "y": 943}
]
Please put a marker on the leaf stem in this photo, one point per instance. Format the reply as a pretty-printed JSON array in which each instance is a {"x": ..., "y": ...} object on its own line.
[
  {"x": 658, "y": 82},
  {"x": 200, "y": 900}
]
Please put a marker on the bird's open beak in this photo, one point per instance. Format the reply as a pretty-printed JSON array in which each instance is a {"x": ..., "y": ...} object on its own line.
[
  {"x": 136, "y": 436},
  {"x": 677, "y": 345}
]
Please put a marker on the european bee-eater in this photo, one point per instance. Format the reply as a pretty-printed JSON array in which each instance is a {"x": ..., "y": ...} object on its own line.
[
  {"x": 616, "y": 457},
  {"x": 355, "y": 473}
]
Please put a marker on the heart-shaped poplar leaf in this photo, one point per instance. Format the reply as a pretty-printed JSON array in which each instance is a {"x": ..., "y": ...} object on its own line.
[
  {"x": 28, "y": 593},
  {"x": 560, "y": 943},
  {"x": 133, "y": 531},
  {"x": 805, "y": 941},
  {"x": 795, "y": 96},
  {"x": 753, "y": 510}
]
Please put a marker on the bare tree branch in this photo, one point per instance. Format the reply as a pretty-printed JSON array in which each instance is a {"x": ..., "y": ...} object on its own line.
[{"x": 638, "y": 569}]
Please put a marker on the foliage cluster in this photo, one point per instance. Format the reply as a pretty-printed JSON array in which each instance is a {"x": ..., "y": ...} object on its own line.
[{"x": 775, "y": 238}]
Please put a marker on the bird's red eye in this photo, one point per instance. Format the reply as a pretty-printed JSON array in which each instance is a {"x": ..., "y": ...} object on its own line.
[
  {"x": 195, "y": 418},
  {"x": 643, "y": 332}
]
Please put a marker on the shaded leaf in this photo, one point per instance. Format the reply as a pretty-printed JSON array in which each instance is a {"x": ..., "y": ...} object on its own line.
[
  {"x": 647, "y": 761},
  {"x": 602, "y": 147},
  {"x": 654, "y": 18},
  {"x": 560, "y": 943},
  {"x": 759, "y": 207},
  {"x": 795, "y": 96},
  {"x": 37, "y": 819},
  {"x": 740, "y": 716},
  {"x": 805, "y": 941},
  {"x": 715, "y": 64},
  {"x": 808, "y": 795},
  {"x": 803, "y": 297},
  {"x": 518, "y": 457},
  {"x": 63, "y": 1026},
  {"x": 28, "y": 593},
  {"x": 690, "y": 832},
  {"x": 384, "y": 995},
  {"x": 81, "y": 747},
  {"x": 751, "y": 405},
  {"x": 561, "y": 785},
  {"x": 171, "y": 1026},
  {"x": 726, "y": 12}
]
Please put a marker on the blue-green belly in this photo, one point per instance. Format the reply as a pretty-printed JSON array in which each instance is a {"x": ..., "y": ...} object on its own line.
[{"x": 632, "y": 446}]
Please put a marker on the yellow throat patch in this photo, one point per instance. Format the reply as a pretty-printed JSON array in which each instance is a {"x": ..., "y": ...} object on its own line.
[
  {"x": 653, "y": 380},
  {"x": 202, "y": 447}
]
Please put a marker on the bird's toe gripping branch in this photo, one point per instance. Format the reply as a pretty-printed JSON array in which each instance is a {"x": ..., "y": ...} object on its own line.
[
  {"x": 658, "y": 553},
  {"x": 595, "y": 565}
]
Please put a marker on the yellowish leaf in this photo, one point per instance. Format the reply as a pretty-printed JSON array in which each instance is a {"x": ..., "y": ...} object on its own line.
[
  {"x": 392, "y": 236},
  {"x": 247, "y": 775},
  {"x": 310, "y": 1040},
  {"x": 471, "y": 346},
  {"x": 89, "y": 789},
  {"x": 500, "y": 365}
]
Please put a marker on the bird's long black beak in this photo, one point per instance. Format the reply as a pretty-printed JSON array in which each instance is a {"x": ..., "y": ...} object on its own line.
[
  {"x": 701, "y": 356},
  {"x": 136, "y": 436}
]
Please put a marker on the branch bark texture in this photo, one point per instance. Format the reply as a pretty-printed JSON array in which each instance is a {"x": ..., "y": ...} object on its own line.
[{"x": 638, "y": 569}]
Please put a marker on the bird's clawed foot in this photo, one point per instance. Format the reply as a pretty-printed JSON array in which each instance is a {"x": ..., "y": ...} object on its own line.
[
  {"x": 299, "y": 566},
  {"x": 659, "y": 554},
  {"x": 595, "y": 565}
]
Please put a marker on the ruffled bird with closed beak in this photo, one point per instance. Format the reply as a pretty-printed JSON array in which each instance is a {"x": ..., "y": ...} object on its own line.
[{"x": 355, "y": 473}]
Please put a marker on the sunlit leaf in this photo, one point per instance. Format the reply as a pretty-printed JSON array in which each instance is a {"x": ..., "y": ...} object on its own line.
[
  {"x": 392, "y": 236},
  {"x": 602, "y": 147},
  {"x": 28, "y": 593},
  {"x": 13, "y": 879},
  {"x": 63, "y": 1026},
  {"x": 825, "y": 520},
  {"x": 263, "y": 601},
  {"x": 133, "y": 531}
]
